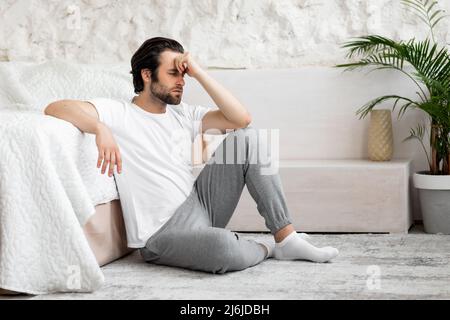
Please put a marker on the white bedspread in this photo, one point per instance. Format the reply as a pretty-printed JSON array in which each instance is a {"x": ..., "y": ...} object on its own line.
[{"x": 49, "y": 185}]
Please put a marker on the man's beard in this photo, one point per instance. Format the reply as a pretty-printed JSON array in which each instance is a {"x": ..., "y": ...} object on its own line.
[{"x": 162, "y": 93}]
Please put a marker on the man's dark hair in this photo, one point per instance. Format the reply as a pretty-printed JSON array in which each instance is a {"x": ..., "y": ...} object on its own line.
[{"x": 147, "y": 57}]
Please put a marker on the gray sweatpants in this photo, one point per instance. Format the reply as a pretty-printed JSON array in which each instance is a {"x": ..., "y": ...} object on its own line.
[{"x": 194, "y": 237}]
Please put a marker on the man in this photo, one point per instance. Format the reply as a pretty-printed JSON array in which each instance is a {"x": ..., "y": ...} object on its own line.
[{"x": 172, "y": 217}]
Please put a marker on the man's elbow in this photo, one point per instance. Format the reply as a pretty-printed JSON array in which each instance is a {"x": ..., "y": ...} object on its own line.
[
  {"x": 246, "y": 121},
  {"x": 48, "y": 109}
]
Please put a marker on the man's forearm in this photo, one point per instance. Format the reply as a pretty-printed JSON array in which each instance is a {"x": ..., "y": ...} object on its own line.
[
  {"x": 232, "y": 109},
  {"x": 71, "y": 112}
]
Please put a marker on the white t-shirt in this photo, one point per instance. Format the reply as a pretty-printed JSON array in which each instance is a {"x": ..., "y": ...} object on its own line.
[{"x": 156, "y": 152}]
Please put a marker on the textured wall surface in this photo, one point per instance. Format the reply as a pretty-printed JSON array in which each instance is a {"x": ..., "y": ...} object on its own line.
[{"x": 219, "y": 33}]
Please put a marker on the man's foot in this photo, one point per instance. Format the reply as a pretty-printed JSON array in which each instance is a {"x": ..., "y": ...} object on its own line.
[
  {"x": 269, "y": 244},
  {"x": 295, "y": 247},
  {"x": 304, "y": 236}
]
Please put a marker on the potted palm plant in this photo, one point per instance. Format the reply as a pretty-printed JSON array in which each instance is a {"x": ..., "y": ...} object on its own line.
[{"x": 427, "y": 65}]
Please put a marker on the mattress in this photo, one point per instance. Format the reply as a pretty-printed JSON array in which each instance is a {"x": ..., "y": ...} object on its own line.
[{"x": 105, "y": 232}]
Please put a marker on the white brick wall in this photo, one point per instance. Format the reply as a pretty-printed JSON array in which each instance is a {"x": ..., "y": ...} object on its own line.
[{"x": 220, "y": 33}]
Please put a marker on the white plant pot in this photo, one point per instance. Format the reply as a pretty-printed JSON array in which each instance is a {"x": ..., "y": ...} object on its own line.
[{"x": 434, "y": 196}]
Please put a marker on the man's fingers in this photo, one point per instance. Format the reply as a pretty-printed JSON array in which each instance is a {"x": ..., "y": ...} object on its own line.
[
  {"x": 182, "y": 62},
  {"x": 186, "y": 60},
  {"x": 112, "y": 163},
  {"x": 106, "y": 161},
  {"x": 119, "y": 163},
  {"x": 110, "y": 159},
  {"x": 100, "y": 158},
  {"x": 180, "y": 66}
]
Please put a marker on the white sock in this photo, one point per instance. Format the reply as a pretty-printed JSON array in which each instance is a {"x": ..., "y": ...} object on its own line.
[
  {"x": 269, "y": 244},
  {"x": 293, "y": 247},
  {"x": 304, "y": 236}
]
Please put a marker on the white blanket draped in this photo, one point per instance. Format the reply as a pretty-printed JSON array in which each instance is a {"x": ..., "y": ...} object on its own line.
[{"x": 49, "y": 182}]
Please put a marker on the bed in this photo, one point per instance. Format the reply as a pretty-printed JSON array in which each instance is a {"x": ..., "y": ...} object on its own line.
[
  {"x": 105, "y": 233},
  {"x": 60, "y": 219}
]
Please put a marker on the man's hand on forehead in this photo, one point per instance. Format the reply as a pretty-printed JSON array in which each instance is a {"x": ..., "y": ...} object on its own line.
[{"x": 186, "y": 64}]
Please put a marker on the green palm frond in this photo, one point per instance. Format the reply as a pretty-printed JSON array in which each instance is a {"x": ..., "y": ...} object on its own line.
[
  {"x": 429, "y": 61},
  {"x": 427, "y": 11},
  {"x": 419, "y": 134},
  {"x": 365, "y": 109},
  {"x": 440, "y": 90},
  {"x": 436, "y": 112},
  {"x": 378, "y": 52},
  {"x": 368, "y": 45}
]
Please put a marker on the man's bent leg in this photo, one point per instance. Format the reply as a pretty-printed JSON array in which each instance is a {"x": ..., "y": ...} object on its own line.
[
  {"x": 188, "y": 240},
  {"x": 246, "y": 165},
  {"x": 234, "y": 164},
  {"x": 206, "y": 249}
]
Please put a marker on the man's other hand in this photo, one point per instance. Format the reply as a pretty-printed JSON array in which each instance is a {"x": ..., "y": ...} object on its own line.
[{"x": 108, "y": 150}]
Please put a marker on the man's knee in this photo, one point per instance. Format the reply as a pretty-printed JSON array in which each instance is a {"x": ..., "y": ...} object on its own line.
[
  {"x": 244, "y": 141},
  {"x": 253, "y": 146},
  {"x": 249, "y": 133},
  {"x": 225, "y": 254}
]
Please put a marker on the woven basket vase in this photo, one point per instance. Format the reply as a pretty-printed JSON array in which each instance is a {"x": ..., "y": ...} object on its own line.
[{"x": 381, "y": 142}]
